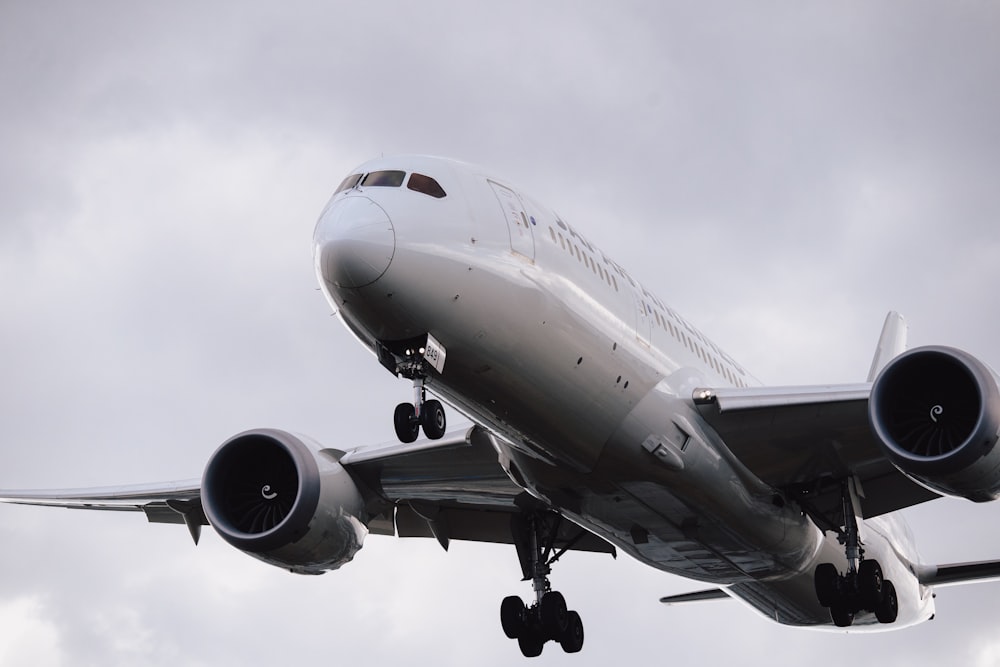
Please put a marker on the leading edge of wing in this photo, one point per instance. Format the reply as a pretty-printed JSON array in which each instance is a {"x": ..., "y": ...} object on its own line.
[
  {"x": 127, "y": 497},
  {"x": 734, "y": 399},
  {"x": 391, "y": 450}
]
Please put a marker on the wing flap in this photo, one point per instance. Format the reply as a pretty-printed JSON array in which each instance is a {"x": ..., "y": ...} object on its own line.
[{"x": 695, "y": 596}]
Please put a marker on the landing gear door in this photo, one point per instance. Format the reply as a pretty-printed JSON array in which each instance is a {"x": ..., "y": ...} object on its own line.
[{"x": 521, "y": 240}]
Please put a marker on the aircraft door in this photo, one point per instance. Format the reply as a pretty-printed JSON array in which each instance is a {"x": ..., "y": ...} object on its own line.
[{"x": 522, "y": 241}]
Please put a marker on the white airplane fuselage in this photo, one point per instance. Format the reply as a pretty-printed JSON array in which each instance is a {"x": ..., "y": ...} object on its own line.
[{"x": 586, "y": 380}]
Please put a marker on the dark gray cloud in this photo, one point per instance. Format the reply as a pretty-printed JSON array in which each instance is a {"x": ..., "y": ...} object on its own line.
[{"x": 783, "y": 175}]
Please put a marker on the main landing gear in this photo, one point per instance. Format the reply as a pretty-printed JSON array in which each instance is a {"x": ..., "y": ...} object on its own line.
[
  {"x": 548, "y": 617},
  {"x": 862, "y": 587}
]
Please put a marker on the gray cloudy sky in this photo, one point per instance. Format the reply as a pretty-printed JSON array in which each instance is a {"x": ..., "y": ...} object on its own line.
[{"x": 781, "y": 173}]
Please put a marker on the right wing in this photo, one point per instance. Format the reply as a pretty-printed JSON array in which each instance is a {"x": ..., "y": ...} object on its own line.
[
  {"x": 452, "y": 488},
  {"x": 807, "y": 439}
]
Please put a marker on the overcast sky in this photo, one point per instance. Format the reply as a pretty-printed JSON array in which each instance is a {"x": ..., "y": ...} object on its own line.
[{"x": 781, "y": 173}]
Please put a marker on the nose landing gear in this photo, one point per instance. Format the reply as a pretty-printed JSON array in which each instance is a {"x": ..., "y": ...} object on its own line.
[
  {"x": 414, "y": 359},
  {"x": 548, "y": 618}
]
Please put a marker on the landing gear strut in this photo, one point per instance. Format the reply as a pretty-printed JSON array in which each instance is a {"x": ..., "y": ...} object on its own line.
[
  {"x": 548, "y": 617},
  {"x": 862, "y": 587}
]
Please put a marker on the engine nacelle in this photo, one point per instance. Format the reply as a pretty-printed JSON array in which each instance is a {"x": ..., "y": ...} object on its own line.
[
  {"x": 936, "y": 411},
  {"x": 285, "y": 500}
]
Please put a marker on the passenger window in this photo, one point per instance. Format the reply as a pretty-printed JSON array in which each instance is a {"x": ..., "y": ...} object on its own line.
[
  {"x": 384, "y": 179},
  {"x": 426, "y": 185},
  {"x": 348, "y": 183}
]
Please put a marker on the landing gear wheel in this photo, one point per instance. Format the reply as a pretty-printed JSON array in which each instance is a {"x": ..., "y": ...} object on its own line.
[
  {"x": 572, "y": 638},
  {"x": 530, "y": 645},
  {"x": 432, "y": 419},
  {"x": 888, "y": 607},
  {"x": 513, "y": 617},
  {"x": 842, "y": 615},
  {"x": 554, "y": 615},
  {"x": 826, "y": 579},
  {"x": 405, "y": 422},
  {"x": 870, "y": 583}
]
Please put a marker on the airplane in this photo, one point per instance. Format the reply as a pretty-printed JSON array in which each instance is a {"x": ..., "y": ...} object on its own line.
[{"x": 602, "y": 421}]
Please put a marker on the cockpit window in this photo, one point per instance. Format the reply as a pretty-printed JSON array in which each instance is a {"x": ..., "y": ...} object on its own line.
[
  {"x": 384, "y": 179},
  {"x": 348, "y": 182},
  {"x": 426, "y": 185}
]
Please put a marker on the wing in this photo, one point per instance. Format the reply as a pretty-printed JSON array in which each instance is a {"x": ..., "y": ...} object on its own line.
[
  {"x": 807, "y": 440},
  {"x": 171, "y": 502},
  {"x": 958, "y": 573},
  {"x": 452, "y": 488}
]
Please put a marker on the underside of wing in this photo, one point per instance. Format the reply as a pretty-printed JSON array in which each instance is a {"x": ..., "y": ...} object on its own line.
[{"x": 453, "y": 489}]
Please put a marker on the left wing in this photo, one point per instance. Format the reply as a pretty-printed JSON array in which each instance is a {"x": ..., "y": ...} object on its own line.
[
  {"x": 807, "y": 440},
  {"x": 810, "y": 440}
]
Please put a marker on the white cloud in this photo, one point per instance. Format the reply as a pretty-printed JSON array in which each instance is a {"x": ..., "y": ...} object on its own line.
[{"x": 28, "y": 637}]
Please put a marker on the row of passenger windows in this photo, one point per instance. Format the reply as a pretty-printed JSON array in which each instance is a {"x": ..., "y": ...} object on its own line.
[
  {"x": 393, "y": 178},
  {"x": 727, "y": 370},
  {"x": 585, "y": 258},
  {"x": 720, "y": 367}
]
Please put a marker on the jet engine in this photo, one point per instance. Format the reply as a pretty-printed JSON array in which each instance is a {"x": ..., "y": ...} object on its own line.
[
  {"x": 936, "y": 412},
  {"x": 285, "y": 500}
]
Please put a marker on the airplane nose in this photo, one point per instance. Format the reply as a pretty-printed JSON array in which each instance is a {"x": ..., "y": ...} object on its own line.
[{"x": 356, "y": 242}]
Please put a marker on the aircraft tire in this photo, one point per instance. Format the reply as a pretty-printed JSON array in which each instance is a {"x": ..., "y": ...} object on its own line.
[
  {"x": 530, "y": 645},
  {"x": 888, "y": 607},
  {"x": 405, "y": 423},
  {"x": 870, "y": 582},
  {"x": 513, "y": 616},
  {"x": 433, "y": 419},
  {"x": 572, "y": 638},
  {"x": 826, "y": 579},
  {"x": 842, "y": 615},
  {"x": 553, "y": 614}
]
